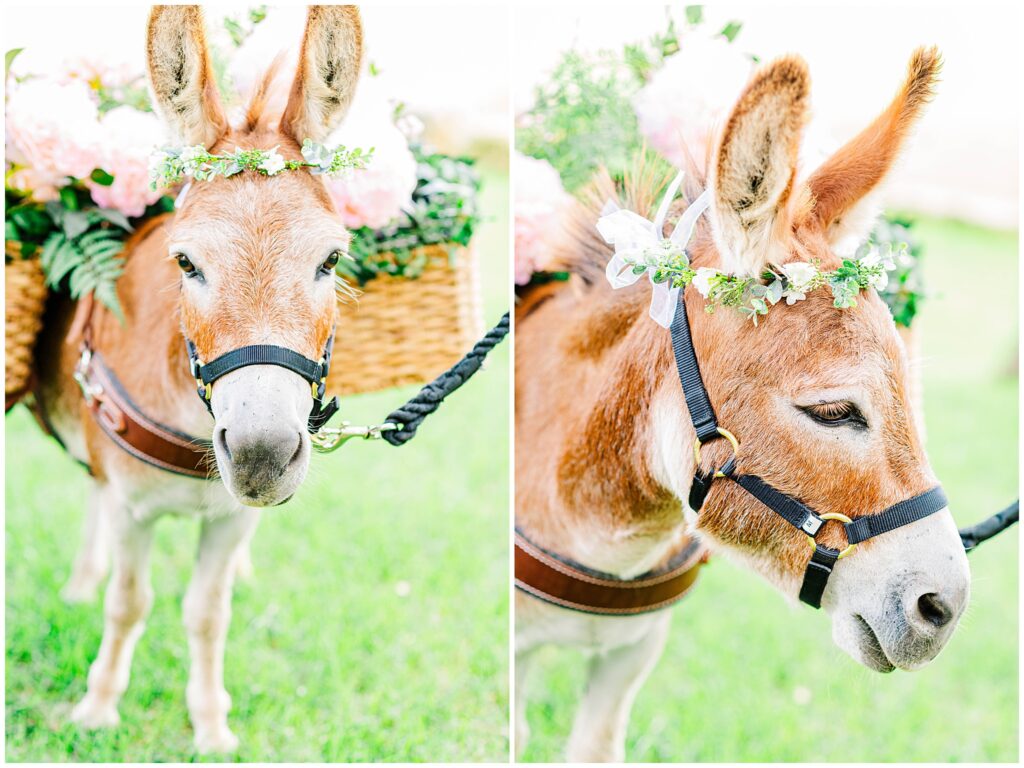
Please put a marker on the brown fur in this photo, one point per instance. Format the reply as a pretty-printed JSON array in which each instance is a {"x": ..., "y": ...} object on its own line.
[
  {"x": 590, "y": 364},
  {"x": 181, "y": 73},
  {"x": 857, "y": 169},
  {"x": 329, "y": 64}
]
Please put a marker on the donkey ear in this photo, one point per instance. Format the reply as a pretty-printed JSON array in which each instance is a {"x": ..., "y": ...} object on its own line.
[
  {"x": 841, "y": 186},
  {"x": 752, "y": 174},
  {"x": 181, "y": 75},
  {"x": 329, "y": 64}
]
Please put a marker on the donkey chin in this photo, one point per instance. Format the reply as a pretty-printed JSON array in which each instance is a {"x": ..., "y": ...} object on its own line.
[
  {"x": 259, "y": 436},
  {"x": 896, "y": 603}
]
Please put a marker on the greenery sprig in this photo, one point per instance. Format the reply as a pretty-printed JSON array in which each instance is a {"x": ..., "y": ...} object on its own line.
[
  {"x": 753, "y": 297},
  {"x": 170, "y": 166}
]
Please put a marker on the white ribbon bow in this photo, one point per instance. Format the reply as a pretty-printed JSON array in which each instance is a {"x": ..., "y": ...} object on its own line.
[{"x": 634, "y": 236}]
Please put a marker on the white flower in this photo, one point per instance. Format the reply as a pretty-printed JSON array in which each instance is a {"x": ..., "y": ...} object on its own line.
[
  {"x": 190, "y": 158},
  {"x": 879, "y": 281},
  {"x": 316, "y": 154},
  {"x": 702, "y": 280},
  {"x": 799, "y": 274},
  {"x": 272, "y": 162},
  {"x": 872, "y": 258},
  {"x": 792, "y": 297},
  {"x": 157, "y": 160}
]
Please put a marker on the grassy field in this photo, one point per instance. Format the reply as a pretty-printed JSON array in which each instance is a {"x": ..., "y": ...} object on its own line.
[
  {"x": 747, "y": 678},
  {"x": 377, "y": 624}
]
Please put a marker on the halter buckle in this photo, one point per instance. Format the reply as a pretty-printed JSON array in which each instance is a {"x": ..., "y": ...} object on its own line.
[
  {"x": 90, "y": 390},
  {"x": 831, "y": 516},
  {"x": 728, "y": 436}
]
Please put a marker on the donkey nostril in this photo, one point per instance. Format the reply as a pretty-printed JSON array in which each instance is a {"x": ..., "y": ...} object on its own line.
[
  {"x": 298, "y": 452},
  {"x": 934, "y": 610},
  {"x": 222, "y": 440}
]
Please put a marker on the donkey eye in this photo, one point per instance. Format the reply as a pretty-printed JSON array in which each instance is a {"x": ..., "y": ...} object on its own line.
[
  {"x": 186, "y": 265},
  {"x": 835, "y": 414},
  {"x": 332, "y": 261}
]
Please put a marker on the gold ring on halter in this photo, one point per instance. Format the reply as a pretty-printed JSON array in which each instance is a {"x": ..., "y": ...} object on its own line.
[
  {"x": 841, "y": 518},
  {"x": 728, "y": 436}
]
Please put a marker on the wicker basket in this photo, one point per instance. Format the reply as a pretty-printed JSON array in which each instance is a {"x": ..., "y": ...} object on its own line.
[
  {"x": 406, "y": 331},
  {"x": 25, "y": 298},
  {"x": 399, "y": 331}
]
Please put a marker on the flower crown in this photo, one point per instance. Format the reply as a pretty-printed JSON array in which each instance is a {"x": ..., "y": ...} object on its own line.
[
  {"x": 640, "y": 249},
  {"x": 169, "y": 166}
]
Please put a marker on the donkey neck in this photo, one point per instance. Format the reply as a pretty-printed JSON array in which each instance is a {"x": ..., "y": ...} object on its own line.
[
  {"x": 617, "y": 463},
  {"x": 147, "y": 351}
]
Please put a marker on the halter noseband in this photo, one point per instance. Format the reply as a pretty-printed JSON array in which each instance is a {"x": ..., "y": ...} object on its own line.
[
  {"x": 312, "y": 371},
  {"x": 793, "y": 511}
]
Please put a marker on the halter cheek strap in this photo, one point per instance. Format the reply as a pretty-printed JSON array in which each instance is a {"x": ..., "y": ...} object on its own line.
[
  {"x": 793, "y": 511},
  {"x": 315, "y": 372}
]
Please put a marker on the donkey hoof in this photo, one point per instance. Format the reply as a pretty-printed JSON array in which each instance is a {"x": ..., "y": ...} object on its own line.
[
  {"x": 90, "y": 713},
  {"x": 215, "y": 740}
]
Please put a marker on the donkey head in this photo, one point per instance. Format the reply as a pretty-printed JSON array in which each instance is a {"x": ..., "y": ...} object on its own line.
[
  {"x": 257, "y": 253},
  {"x": 819, "y": 396}
]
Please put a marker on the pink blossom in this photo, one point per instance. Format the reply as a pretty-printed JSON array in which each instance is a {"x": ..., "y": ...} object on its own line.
[
  {"x": 128, "y": 139},
  {"x": 54, "y": 127},
  {"x": 679, "y": 109},
  {"x": 39, "y": 186},
  {"x": 541, "y": 202},
  {"x": 375, "y": 195}
]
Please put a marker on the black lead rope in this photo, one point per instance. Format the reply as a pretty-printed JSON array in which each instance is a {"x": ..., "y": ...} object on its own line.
[
  {"x": 986, "y": 529},
  {"x": 793, "y": 511},
  {"x": 427, "y": 400}
]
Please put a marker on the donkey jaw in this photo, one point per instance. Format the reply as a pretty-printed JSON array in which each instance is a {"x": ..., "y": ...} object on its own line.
[{"x": 260, "y": 437}]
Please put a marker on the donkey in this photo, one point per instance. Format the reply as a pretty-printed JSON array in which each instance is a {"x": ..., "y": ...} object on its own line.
[
  {"x": 817, "y": 396},
  {"x": 245, "y": 260}
]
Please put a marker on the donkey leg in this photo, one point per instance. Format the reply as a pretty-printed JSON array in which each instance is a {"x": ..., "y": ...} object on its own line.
[
  {"x": 128, "y": 600},
  {"x": 522, "y": 662},
  {"x": 244, "y": 570},
  {"x": 207, "y": 613},
  {"x": 93, "y": 558},
  {"x": 599, "y": 731}
]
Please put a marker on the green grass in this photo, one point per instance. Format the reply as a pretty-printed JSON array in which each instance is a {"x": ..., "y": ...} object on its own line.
[
  {"x": 739, "y": 659},
  {"x": 325, "y": 661}
]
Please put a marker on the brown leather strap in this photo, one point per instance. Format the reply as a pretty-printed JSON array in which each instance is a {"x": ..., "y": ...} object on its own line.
[
  {"x": 136, "y": 433},
  {"x": 557, "y": 581}
]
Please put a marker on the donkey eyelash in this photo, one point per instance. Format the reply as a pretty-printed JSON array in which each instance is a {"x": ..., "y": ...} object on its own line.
[
  {"x": 188, "y": 269},
  {"x": 835, "y": 414},
  {"x": 328, "y": 265}
]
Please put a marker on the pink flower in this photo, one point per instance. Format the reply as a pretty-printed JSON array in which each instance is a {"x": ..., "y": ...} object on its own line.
[
  {"x": 541, "y": 201},
  {"x": 38, "y": 185},
  {"x": 373, "y": 196},
  {"x": 679, "y": 109},
  {"x": 128, "y": 139},
  {"x": 54, "y": 128}
]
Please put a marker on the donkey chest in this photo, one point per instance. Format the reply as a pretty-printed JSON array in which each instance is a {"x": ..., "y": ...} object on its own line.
[{"x": 539, "y": 623}]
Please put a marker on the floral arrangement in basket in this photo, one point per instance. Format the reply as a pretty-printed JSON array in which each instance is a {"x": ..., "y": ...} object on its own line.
[
  {"x": 663, "y": 96},
  {"x": 80, "y": 142}
]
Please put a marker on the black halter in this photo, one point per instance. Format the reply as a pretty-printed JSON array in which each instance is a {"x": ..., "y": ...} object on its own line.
[
  {"x": 793, "y": 511},
  {"x": 268, "y": 354}
]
